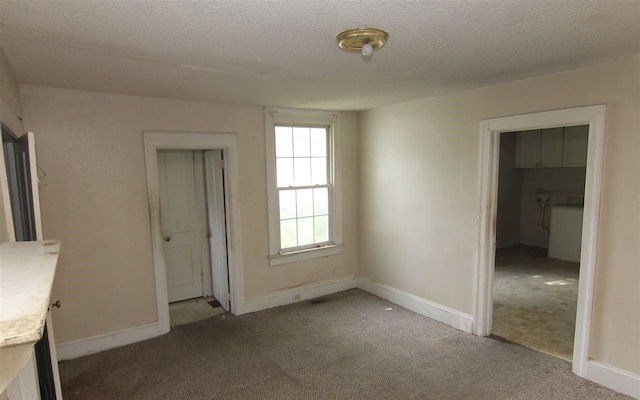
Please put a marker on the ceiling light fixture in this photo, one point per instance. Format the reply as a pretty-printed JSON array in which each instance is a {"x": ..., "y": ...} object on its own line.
[{"x": 362, "y": 40}]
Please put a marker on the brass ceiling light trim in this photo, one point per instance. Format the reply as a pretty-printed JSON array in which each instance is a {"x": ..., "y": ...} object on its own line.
[{"x": 362, "y": 40}]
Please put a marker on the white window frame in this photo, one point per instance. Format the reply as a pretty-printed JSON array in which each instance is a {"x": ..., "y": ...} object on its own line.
[{"x": 314, "y": 118}]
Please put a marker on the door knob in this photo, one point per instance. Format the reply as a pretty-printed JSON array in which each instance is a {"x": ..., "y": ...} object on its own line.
[{"x": 167, "y": 238}]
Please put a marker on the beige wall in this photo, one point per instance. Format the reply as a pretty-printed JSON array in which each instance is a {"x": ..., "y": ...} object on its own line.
[
  {"x": 10, "y": 115},
  {"x": 419, "y": 189},
  {"x": 94, "y": 198},
  {"x": 9, "y": 87}
]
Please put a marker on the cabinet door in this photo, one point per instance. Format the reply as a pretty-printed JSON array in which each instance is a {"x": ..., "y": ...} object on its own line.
[
  {"x": 576, "y": 140},
  {"x": 528, "y": 149},
  {"x": 551, "y": 147}
]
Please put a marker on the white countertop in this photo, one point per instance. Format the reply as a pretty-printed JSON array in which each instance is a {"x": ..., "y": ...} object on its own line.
[{"x": 27, "y": 270}]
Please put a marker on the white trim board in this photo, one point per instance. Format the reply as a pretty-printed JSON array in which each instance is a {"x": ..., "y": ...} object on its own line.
[
  {"x": 418, "y": 305},
  {"x": 94, "y": 344},
  {"x": 291, "y": 296},
  {"x": 490, "y": 131},
  {"x": 614, "y": 378}
]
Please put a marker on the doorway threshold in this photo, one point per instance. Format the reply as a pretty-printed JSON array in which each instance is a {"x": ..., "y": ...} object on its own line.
[{"x": 192, "y": 310}]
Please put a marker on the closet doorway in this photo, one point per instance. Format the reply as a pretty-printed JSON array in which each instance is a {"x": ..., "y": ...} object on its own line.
[
  {"x": 193, "y": 223},
  {"x": 188, "y": 234}
]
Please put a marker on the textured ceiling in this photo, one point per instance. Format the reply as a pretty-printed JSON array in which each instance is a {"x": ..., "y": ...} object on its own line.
[{"x": 284, "y": 53}]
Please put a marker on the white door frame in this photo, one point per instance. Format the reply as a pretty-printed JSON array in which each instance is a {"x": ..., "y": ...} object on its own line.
[
  {"x": 159, "y": 140},
  {"x": 490, "y": 130}
]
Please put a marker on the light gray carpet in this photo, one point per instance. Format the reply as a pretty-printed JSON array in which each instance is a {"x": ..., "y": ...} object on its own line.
[{"x": 347, "y": 347}]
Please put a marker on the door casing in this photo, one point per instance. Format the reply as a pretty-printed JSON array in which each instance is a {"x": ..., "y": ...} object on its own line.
[
  {"x": 490, "y": 131},
  {"x": 228, "y": 143}
]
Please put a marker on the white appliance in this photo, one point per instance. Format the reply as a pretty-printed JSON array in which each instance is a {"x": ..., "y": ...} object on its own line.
[{"x": 566, "y": 232}]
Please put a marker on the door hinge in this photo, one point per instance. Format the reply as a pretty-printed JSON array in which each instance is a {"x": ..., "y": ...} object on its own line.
[
  {"x": 221, "y": 164},
  {"x": 208, "y": 234},
  {"x": 228, "y": 297}
]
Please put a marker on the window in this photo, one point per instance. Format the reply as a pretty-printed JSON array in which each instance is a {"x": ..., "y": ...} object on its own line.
[{"x": 303, "y": 178}]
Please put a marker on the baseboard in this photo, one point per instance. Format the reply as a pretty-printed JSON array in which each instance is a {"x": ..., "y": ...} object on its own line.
[
  {"x": 614, "y": 378},
  {"x": 507, "y": 243},
  {"x": 299, "y": 294},
  {"x": 534, "y": 245},
  {"x": 94, "y": 344},
  {"x": 418, "y": 305}
]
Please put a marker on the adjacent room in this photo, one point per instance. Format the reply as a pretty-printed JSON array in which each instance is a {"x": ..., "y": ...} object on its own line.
[
  {"x": 541, "y": 188},
  {"x": 324, "y": 200}
]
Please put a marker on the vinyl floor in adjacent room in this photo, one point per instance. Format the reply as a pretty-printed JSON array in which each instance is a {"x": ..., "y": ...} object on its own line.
[
  {"x": 352, "y": 345},
  {"x": 535, "y": 300},
  {"x": 186, "y": 311}
]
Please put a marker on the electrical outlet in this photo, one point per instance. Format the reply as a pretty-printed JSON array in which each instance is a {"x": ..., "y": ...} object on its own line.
[{"x": 296, "y": 297}]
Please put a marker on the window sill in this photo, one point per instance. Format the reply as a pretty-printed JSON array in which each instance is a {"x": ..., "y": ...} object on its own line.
[{"x": 304, "y": 255}]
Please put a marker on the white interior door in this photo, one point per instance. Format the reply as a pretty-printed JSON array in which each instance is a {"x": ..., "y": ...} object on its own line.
[
  {"x": 180, "y": 228},
  {"x": 214, "y": 182}
]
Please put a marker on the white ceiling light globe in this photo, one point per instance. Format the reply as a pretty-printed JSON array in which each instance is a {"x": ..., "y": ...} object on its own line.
[{"x": 367, "y": 49}]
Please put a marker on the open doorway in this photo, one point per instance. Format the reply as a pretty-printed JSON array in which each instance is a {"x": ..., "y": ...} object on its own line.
[
  {"x": 490, "y": 131},
  {"x": 540, "y": 204},
  {"x": 228, "y": 199},
  {"x": 193, "y": 221}
]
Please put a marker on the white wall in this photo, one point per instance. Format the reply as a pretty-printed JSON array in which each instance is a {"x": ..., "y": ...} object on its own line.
[
  {"x": 419, "y": 191},
  {"x": 94, "y": 198},
  {"x": 509, "y": 193}
]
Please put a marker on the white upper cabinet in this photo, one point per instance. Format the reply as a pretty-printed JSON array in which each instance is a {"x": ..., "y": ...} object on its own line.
[
  {"x": 575, "y": 146},
  {"x": 539, "y": 148},
  {"x": 528, "y": 149},
  {"x": 551, "y": 147}
]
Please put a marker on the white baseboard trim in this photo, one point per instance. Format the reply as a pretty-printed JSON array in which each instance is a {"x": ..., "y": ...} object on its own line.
[
  {"x": 418, "y": 305},
  {"x": 94, "y": 344},
  {"x": 507, "y": 243},
  {"x": 291, "y": 296},
  {"x": 534, "y": 245},
  {"x": 614, "y": 378}
]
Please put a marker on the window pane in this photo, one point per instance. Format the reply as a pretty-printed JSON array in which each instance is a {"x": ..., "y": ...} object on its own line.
[
  {"x": 321, "y": 228},
  {"x": 302, "y": 171},
  {"x": 305, "y": 231},
  {"x": 287, "y": 204},
  {"x": 319, "y": 171},
  {"x": 284, "y": 170},
  {"x": 301, "y": 142},
  {"x": 318, "y": 142},
  {"x": 320, "y": 201},
  {"x": 284, "y": 141},
  {"x": 305, "y": 202},
  {"x": 288, "y": 236}
]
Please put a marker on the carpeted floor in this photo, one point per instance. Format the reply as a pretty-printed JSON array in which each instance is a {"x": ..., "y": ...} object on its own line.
[{"x": 347, "y": 347}]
